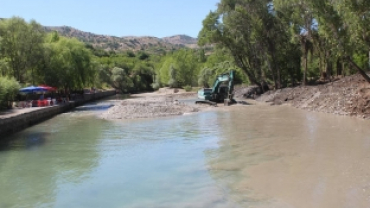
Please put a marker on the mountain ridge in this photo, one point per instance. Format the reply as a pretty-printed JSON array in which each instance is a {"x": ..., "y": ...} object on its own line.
[{"x": 124, "y": 43}]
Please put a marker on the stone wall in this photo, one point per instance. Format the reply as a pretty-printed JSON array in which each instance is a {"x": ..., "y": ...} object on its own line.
[{"x": 21, "y": 121}]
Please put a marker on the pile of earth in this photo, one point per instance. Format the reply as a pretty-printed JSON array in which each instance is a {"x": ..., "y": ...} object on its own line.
[
  {"x": 149, "y": 106},
  {"x": 345, "y": 96}
]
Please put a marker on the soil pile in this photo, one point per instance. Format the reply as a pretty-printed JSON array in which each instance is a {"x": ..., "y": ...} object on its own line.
[{"x": 346, "y": 96}]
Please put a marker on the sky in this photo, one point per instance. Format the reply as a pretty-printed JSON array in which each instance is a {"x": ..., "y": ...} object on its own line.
[{"x": 158, "y": 18}]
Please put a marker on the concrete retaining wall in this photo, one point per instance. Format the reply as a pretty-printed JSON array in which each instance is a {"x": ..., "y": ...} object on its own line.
[{"x": 21, "y": 121}]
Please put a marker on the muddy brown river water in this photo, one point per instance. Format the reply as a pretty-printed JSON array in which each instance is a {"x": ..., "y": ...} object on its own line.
[
  {"x": 237, "y": 156},
  {"x": 284, "y": 157}
]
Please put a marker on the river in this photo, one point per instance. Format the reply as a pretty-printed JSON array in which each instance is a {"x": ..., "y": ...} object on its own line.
[{"x": 238, "y": 156}]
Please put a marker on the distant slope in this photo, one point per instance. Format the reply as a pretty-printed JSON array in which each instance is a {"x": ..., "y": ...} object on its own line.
[
  {"x": 182, "y": 40},
  {"x": 133, "y": 43}
]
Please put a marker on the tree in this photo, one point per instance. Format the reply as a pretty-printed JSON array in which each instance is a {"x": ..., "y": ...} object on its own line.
[
  {"x": 121, "y": 80},
  {"x": 68, "y": 64},
  {"x": 250, "y": 31},
  {"x": 142, "y": 77},
  {"x": 21, "y": 43},
  {"x": 9, "y": 88},
  {"x": 356, "y": 17},
  {"x": 186, "y": 63},
  {"x": 173, "y": 77},
  {"x": 205, "y": 77},
  {"x": 345, "y": 25},
  {"x": 301, "y": 21}
]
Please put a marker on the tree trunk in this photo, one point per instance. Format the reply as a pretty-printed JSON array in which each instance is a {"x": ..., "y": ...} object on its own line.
[
  {"x": 274, "y": 69},
  {"x": 279, "y": 77},
  {"x": 274, "y": 79},
  {"x": 304, "y": 81},
  {"x": 304, "y": 52},
  {"x": 362, "y": 72},
  {"x": 292, "y": 77},
  {"x": 339, "y": 67},
  {"x": 327, "y": 70},
  {"x": 328, "y": 65},
  {"x": 239, "y": 62}
]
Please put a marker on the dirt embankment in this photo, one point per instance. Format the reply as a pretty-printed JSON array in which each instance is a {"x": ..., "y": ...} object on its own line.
[{"x": 346, "y": 96}]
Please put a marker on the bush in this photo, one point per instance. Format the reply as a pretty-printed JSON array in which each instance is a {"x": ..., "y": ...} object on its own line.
[
  {"x": 187, "y": 88},
  {"x": 172, "y": 83},
  {"x": 9, "y": 88},
  {"x": 156, "y": 86}
]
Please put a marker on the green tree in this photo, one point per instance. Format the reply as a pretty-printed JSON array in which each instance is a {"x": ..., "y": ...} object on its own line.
[
  {"x": 347, "y": 24},
  {"x": 250, "y": 31},
  {"x": 9, "y": 88},
  {"x": 121, "y": 80},
  {"x": 173, "y": 77},
  {"x": 164, "y": 68},
  {"x": 186, "y": 64},
  {"x": 68, "y": 64},
  {"x": 21, "y": 43},
  {"x": 205, "y": 77},
  {"x": 301, "y": 21}
]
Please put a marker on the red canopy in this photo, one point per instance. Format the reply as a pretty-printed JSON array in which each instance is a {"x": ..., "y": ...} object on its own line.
[{"x": 48, "y": 87}]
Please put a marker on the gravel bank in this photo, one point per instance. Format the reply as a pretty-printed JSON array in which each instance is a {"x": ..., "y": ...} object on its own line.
[
  {"x": 130, "y": 109},
  {"x": 162, "y": 103}
]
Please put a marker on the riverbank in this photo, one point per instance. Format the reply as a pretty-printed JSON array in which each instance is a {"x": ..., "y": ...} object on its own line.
[
  {"x": 16, "y": 119},
  {"x": 348, "y": 96}
]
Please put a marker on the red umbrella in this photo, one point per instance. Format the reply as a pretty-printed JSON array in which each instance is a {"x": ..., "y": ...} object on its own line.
[{"x": 48, "y": 87}]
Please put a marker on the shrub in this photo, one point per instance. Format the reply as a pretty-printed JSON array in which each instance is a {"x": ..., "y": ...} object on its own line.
[
  {"x": 156, "y": 86},
  {"x": 187, "y": 88},
  {"x": 9, "y": 88}
]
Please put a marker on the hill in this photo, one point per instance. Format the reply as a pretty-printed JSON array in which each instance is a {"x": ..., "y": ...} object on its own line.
[{"x": 134, "y": 43}]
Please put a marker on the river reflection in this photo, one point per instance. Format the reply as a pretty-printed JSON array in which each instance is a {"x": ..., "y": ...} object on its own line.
[
  {"x": 28, "y": 142},
  {"x": 34, "y": 162}
]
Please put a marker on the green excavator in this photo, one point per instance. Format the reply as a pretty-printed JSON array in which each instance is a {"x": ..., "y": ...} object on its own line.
[{"x": 222, "y": 90}]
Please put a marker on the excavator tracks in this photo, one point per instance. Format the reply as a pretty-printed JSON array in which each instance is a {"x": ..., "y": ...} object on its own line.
[{"x": 206, "y": 102}]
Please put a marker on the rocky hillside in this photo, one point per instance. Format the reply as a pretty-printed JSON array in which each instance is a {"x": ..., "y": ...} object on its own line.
[
  {"x": 182, "y": 40},
  {"x": 146, "y": 43}
]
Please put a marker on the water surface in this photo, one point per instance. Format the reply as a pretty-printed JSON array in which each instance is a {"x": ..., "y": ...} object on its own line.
[
  {"x": 78, "y": 160},
  {"x": 285, "y": 157},
  {"x": 239, "y": 156}
]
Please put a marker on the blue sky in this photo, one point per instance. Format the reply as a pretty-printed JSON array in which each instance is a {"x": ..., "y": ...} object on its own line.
[{"x": 158, "y": 18}]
